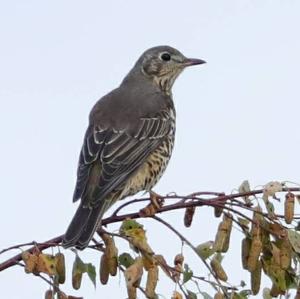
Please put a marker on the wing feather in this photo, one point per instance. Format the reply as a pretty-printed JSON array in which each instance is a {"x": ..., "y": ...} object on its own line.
[{"x": 120, "y": 153}]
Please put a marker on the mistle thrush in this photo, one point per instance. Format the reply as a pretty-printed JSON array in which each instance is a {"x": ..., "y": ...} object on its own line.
[{"x": 129, "y": 140}]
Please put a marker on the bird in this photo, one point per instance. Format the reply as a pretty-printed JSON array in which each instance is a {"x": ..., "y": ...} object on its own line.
[{"x": 129, "y": 140}]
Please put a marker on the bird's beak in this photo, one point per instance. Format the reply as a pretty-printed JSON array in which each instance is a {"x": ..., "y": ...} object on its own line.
[{"x": 193, "y": 61}]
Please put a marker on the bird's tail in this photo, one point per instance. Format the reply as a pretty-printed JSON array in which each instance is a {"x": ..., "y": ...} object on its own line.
[{"x": 84, "y": 225}]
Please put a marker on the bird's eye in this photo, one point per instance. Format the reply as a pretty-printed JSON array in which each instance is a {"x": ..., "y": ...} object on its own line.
[{"x": 165, "y": 56}]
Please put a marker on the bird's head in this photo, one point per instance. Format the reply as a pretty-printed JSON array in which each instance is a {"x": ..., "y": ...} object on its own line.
[{"x": 163, "y": 64}]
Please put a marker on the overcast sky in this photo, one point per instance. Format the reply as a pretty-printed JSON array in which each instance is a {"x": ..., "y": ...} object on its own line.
[{"x": 237, "y": 116}]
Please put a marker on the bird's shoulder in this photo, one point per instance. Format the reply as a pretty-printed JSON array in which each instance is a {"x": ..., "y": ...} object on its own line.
[{"x": 125, "y": 106}]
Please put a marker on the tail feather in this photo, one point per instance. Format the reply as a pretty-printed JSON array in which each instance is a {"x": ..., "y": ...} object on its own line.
[{"x": 83, "y": 226}]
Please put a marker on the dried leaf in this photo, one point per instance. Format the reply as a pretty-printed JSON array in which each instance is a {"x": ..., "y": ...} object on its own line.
[
  {"x": 30, "y": 261},
  {"x": 160, "y": 260},
  {"x": 133, "y": 275},
  {"x": 294, "y": 239},
  {"x": 271, "y": 188},
  {"x": 46, "y": 264},
  {"x": 137, "y": 236},
  {"x": 245, "y": 188},
  {"x": 151, "y": 283},
  {"x": 129, "y": 224}
]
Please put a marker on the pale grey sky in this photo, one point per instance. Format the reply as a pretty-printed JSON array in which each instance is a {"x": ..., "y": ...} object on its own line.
[{"x": 238, "y": 116}]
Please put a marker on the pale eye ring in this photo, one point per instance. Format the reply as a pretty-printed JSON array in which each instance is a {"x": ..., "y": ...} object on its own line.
[{"x": 165, "y": 56}]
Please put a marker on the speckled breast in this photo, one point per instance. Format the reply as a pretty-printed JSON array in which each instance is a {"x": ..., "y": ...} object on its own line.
[{"x": 153, "y": 168}]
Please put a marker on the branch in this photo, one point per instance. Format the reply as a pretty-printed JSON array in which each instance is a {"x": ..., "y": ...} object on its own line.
[{"x": 193, "y": 200}]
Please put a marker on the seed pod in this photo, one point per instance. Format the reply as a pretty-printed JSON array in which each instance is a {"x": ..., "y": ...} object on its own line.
[
  {"x": 289, "y": 206},
  {"x": 218, "y": 269},
  {"x": 227, "y": 239},
  {"x": 76, "y": 280},
  {"x": 62, "y": 295},
  {"x": 179, "y": 258},
  {"x": 188, "y": 216},
  {"x": 178, "y": 261},
  {"x": 104, "y": 269},
  {"x": 111, "y": 253},
  {"x": 223, "y": 234},
  {"x": 255, "y": 250},
  {"x": 246, "y": 244},
  {"x": 218, "y": 211},
  {"x": 151, "y": 283},
  {"x": 49, "y": 294},
  {"x": 177, "y": 295},
  {"x": 219, "y": 295},
  {"x": 256, "y": 278},
  {"x": 276, "y": 254},
  {"x": 257, "y": 218},
  {"x": 60, "y": 267},
  {"x": 285, "y": 254}
]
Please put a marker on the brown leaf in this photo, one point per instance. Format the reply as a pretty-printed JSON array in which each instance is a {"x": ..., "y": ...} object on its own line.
[{"x": 30, "y": 261}]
